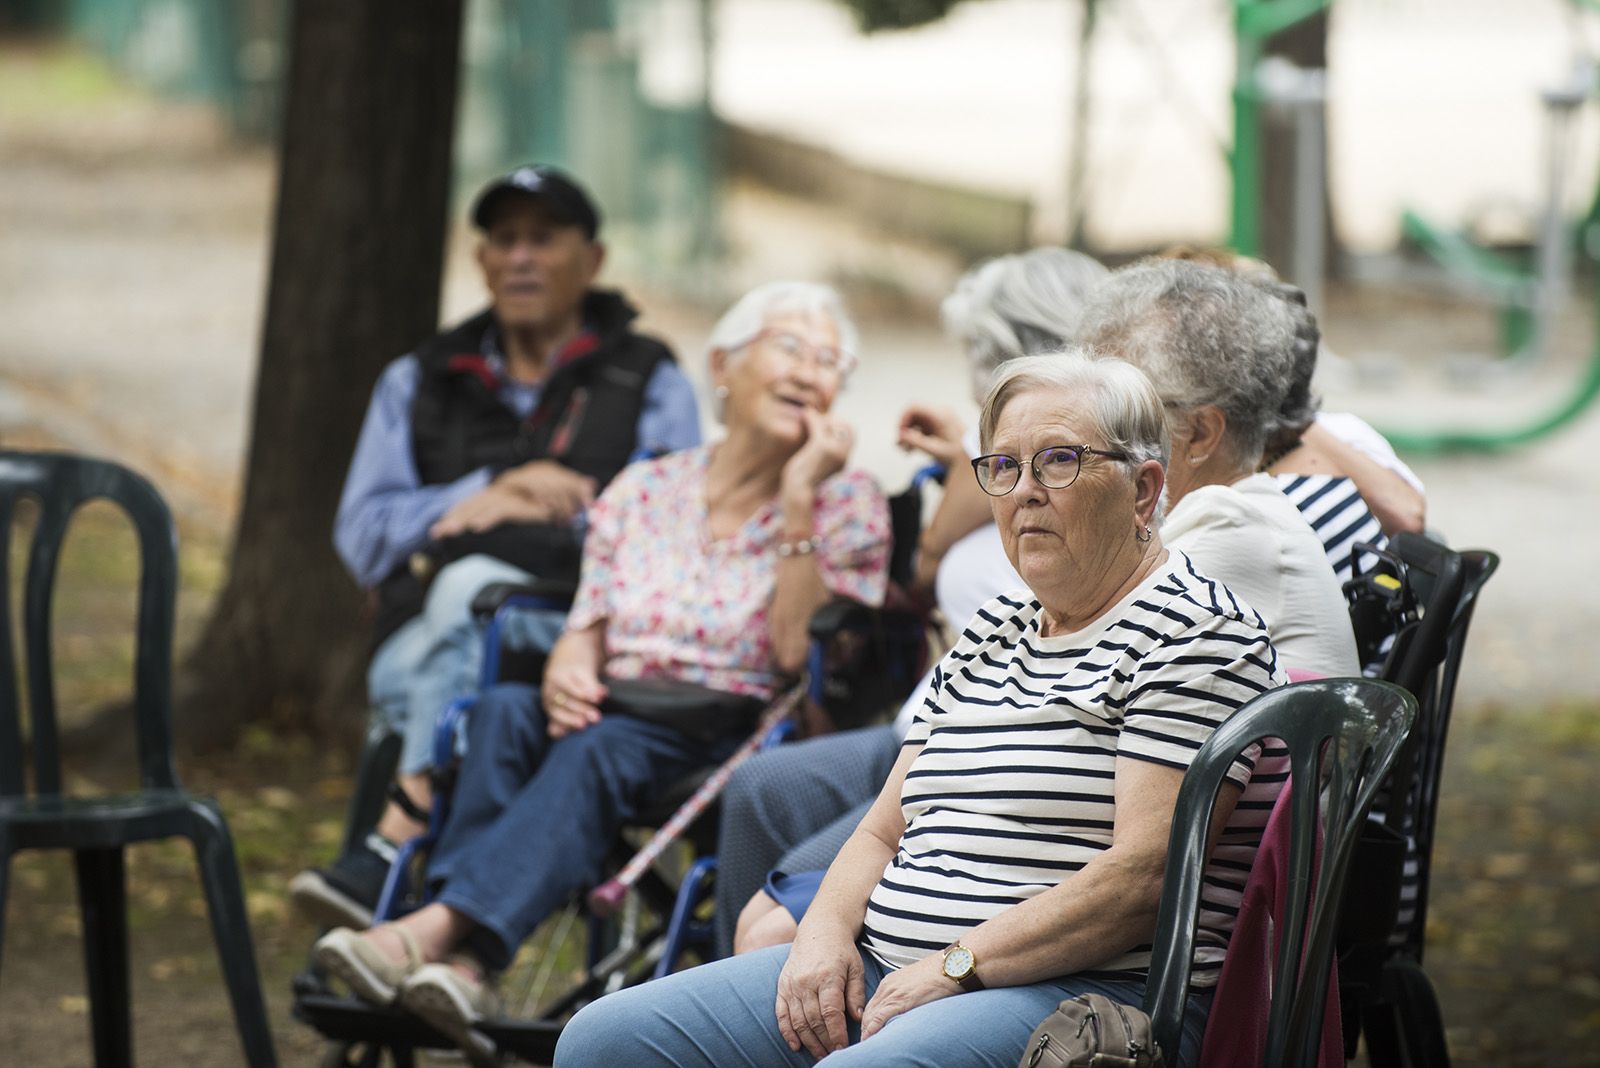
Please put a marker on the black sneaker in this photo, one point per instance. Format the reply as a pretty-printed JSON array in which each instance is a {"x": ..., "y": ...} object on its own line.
[{"x": 345, "y": 893}]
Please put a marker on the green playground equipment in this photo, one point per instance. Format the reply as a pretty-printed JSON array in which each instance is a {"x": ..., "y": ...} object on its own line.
[{"x": 1529, "y": 297}]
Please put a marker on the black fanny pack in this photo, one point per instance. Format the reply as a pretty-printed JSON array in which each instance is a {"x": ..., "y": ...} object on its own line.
[{"x": 695, "y": 710}]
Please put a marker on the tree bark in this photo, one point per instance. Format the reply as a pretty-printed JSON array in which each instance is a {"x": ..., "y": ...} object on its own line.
[{"x": 357, "y": 255}]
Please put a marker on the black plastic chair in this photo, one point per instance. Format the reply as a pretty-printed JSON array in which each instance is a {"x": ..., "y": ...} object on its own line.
[
  {"x": 1383, "y": 989},
  {"x": 96, "y": 829},
  {"x": 1341, "y": 732}
]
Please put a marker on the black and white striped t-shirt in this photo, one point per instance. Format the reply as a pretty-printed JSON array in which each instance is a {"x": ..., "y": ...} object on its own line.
[
  {"x": 1338, "y": 516},
  {"x": 1011, "y": 792}
]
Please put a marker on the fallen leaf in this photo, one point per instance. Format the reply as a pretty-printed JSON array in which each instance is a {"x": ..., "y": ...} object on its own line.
[{"x": 1506, "y": 865}]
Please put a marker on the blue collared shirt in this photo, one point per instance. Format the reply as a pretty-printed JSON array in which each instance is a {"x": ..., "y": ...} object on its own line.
[{"x": 385, "y": 510}]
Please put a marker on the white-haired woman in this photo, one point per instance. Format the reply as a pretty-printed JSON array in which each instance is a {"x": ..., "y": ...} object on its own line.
[
  {"x": 703, "y": 567},
  {"x": 1015, "y": 856}
]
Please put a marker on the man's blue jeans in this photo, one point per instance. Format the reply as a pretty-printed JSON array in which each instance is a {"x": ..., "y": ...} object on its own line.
[
  {"x": 436, "y": 657},
  {"x": 721, "y": 1015},
  {"x": 533, "y": 818}
]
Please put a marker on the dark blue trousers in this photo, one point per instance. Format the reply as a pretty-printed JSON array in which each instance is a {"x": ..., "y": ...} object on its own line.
[{"x": 533, "y": 818}]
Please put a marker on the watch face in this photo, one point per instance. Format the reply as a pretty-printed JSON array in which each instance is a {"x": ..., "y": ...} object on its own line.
[{"x": 958, "y": 962}]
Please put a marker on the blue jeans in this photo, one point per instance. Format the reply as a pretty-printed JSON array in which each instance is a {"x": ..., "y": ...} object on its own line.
[
  {"x": 532, "y": 818},
  {"x": 720, "y": 1015},
  {"x": 435, "y": 657}
]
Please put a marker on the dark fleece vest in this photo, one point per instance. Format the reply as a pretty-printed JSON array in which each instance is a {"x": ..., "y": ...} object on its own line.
[{"x": 587, "y": 419}]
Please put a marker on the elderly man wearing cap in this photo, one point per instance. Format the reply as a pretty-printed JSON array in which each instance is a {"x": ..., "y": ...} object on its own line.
[{"x": 478, "y": 455}]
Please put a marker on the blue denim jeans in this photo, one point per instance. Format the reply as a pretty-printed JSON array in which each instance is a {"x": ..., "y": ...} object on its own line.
[
  {"x": 436, "y": 657},
  {"x": 720, "y": 1015},
  {"x": 532, "y": 818}
]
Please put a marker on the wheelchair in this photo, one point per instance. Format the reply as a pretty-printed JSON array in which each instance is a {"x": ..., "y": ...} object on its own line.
[{"x": 651, "y": 915}]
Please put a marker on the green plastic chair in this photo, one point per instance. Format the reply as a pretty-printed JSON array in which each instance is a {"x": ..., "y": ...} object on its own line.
[
  {"x": 1344, "y": 733},
  {"x": 97, "y": 829}
]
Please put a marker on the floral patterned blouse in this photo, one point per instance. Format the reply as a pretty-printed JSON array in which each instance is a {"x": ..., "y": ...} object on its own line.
[{"x": 679, "y": 604}]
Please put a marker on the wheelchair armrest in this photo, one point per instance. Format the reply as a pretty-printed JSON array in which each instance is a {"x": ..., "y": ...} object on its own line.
[
  {"x": 839, "y": 614},
  {"x": 931, "y": 473},
  {"x": 555, "y": 594}
]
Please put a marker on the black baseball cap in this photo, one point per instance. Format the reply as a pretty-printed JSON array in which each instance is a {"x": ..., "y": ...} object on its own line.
[{"x": 563, "y": 197}]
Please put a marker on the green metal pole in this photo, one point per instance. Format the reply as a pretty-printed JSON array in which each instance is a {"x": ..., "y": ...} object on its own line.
[
  {"x": 1254, "y": 21},
  {"x": 1245, "y": 159}
]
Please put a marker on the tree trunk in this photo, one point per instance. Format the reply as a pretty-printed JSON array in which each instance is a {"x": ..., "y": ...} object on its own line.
[
  {"x": 358, "y": 249},
  {"x": 1305, "y": 45}
]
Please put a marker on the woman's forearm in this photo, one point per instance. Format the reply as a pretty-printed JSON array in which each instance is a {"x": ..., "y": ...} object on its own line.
[
  {"x": 799, "y": 590},
  {"x": 963, "y": 509},
  {"x": 1101, "y": 912},
  {"x": 580, "y": 649},
  {"x": 841, "y": 901},
  {"x": 1394, "y": 502}
]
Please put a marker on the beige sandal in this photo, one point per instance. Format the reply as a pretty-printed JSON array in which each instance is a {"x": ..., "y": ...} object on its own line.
[
  {"x": 373, "y": 977},
  {"x": 455, "y": 1004}
]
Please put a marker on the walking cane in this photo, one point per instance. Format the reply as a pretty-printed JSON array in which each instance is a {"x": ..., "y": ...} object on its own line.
[{"x": 606, "y": 898}]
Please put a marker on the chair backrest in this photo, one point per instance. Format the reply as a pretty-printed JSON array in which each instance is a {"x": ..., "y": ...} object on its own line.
[
  {"x": 61, "y": 483},
  {"x": 1341, "y": 732},
  {"x": 1477, "y": 565}
]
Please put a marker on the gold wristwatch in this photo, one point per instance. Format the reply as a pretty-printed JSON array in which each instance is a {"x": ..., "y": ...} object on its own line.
[{"x": 961, "y": 966}]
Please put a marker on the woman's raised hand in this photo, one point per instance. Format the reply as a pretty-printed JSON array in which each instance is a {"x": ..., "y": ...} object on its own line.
[
  {"x": 821, "y": 988},
  {"x": 935, "y": 431},
  {"x": 827, "y": 446}
]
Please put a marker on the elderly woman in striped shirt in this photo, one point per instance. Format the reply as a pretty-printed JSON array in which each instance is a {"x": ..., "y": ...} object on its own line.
[{"x": 1014, "y": 858}]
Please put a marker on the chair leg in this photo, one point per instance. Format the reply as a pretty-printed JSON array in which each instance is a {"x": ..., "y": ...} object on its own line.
[
  {"x": 1416, "y": 1005},
  {"x": 103, "y": 904},
  {"x": 1382, "y": 1032},
  {"x": 230, "y": 928}
]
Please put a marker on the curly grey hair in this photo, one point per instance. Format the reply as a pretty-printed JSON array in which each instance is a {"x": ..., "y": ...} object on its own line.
[
  {"x": 1204, "y": 336},
  {"x": 1300, "y": 405},
  {"x": 1124, "y": 407},
  {"x": 1017, "y": 305}
]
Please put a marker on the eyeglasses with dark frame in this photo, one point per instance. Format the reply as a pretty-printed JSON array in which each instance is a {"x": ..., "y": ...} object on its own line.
[
  {"x": 794, "y": 348},
  {"x": 1054, "y": 467}
]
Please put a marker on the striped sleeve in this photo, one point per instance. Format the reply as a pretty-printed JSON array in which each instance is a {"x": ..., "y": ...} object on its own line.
[{"x": 1188, "y": 685}]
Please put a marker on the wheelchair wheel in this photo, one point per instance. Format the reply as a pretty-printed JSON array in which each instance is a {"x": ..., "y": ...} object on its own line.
[{"x": 551, "y": 962}]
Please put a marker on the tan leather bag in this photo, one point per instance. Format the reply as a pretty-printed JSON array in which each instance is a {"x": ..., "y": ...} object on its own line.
[{"x": 1092, "y": 1031}]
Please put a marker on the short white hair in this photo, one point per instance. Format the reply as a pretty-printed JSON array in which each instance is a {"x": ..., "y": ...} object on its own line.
[
  {"x": 1123, "y": 405},
  {"x": 751, "y": 312}
]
